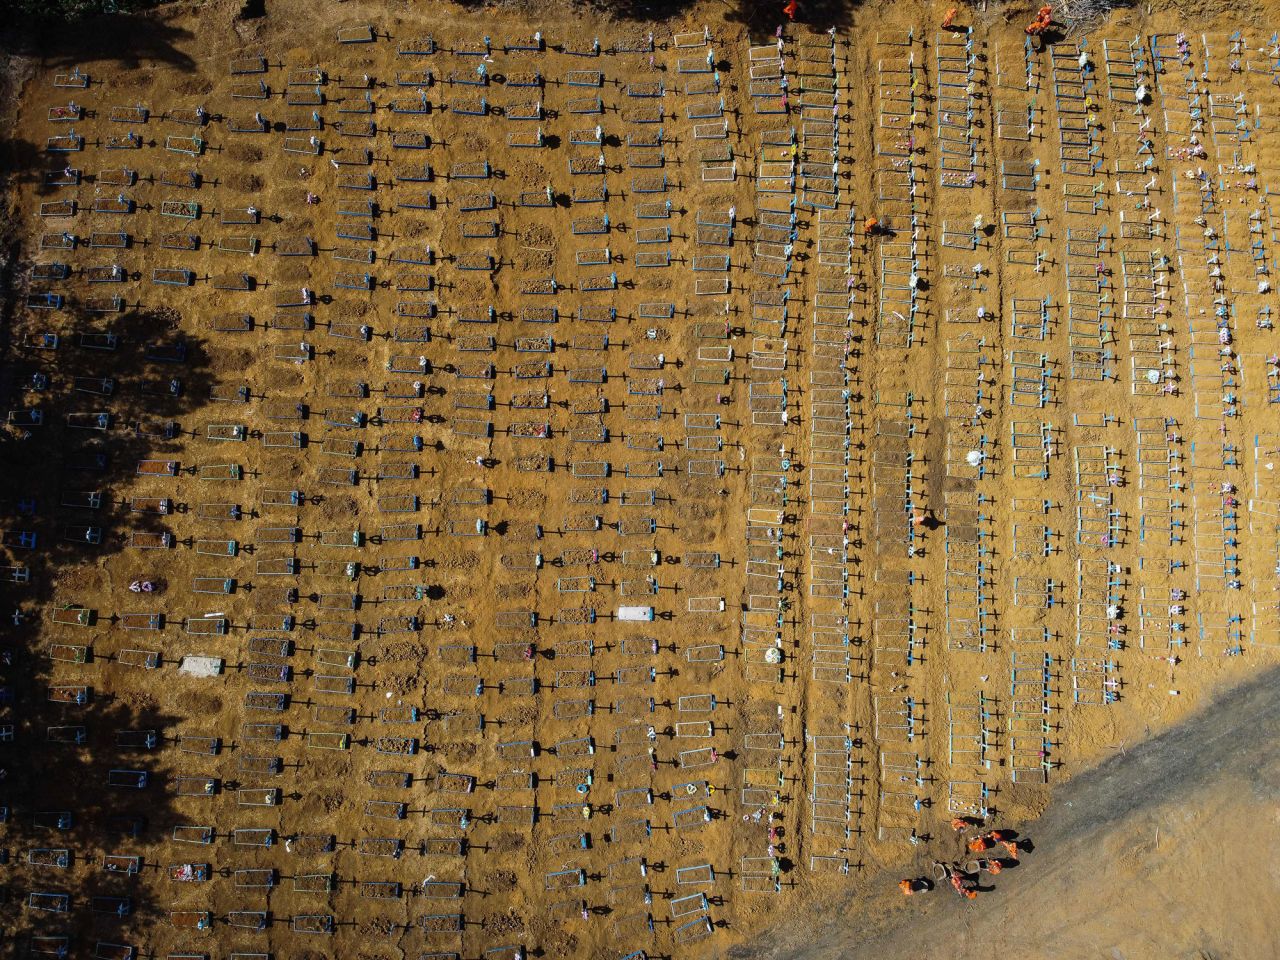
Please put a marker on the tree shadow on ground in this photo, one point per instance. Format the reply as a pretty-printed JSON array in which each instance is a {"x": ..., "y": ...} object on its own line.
[
  {"x": 88, "y": 778},
  {"x": 126, "y": 40},
  {"x": 755, "y": 15},
  {"x": 814, "y": 14}
]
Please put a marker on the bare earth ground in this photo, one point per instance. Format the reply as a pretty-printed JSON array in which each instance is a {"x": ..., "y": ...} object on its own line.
[
  {"x": 1167, "y": 850},
  {"x": 472, "y": 756}
]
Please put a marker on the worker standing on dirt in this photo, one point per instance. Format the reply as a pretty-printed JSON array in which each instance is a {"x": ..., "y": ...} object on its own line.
[
  {"x": 958, "y": 881},
  {"x": 1043, "y": 20}
]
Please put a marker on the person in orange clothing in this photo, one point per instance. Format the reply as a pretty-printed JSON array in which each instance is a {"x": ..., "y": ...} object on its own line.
[
  {"x": 999, "y": 836},
  {"x": 920, "y": 517},
  {"x": 959, "y": 823},
  {"x": 962, "y": 887},
  {"x": 959, "y": 882},
  {"x": 1042, "y": 22},
  {"x": 790, "y": 9},
  {"x": 949, "y": 18},
  {"x": 1011, "y": 846},
  {"x": 980, "y": 844},
  {"x": 869, "y": 226},
  {"x": 908, "y": 887}
]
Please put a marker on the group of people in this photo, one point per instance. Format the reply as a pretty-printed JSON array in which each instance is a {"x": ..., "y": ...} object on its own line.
[{"x": 995, "y": 849}]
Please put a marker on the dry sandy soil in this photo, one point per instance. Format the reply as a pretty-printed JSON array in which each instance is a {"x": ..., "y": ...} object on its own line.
[{"x": 403, "y": 516}]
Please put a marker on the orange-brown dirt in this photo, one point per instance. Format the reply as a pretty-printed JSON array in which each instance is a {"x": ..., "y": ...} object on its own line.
[{"x": 399, "y": 365}]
